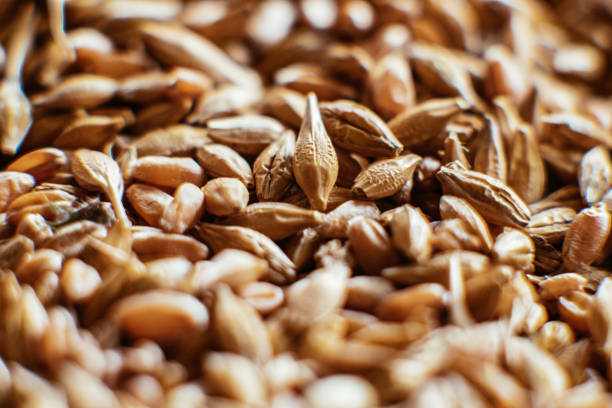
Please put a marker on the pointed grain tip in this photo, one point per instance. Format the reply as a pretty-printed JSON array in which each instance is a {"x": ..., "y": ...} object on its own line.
[
  {"x": 315, "y": 163},
  {"x": 312, "y": 105}
]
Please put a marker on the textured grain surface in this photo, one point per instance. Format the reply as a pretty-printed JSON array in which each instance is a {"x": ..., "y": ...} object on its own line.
[
  {"x": 305, "y": 203},
  {"x": 315, "y": 164}
]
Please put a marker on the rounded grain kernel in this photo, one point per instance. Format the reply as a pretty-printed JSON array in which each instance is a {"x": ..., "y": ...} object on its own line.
[
  {"x": 338, "y": 391},
  {"x": 146, "y": 389},
  {"x": 163, "y": 316},
  {"x": 239, "y": 328},
  {"x": 168, "y": 171},
  {"x": 514, "y": 247},
  {"x": 574, "y": 308},
  {"x": 184, "y": 210},
  {"x": 400, "y": 304},
  {"x": 35, "y": 227},
  {"x": 585, "y": 240},
  {"x": 364, "y": 292},
  {"x": 148, "y": 201},
  {"x": 85, "y": 389},
  {"x": 171, "y": 373},
  {"x": 153, "y": 243},
  {"x": 168, "y": 272},
  {"x": 371, "y": 245},
  {"x": 12, "y": 185},
  {"x": 188, "y": 395},
  {"x": 42, "y": 260},
  {"x": 41, "y": 163},
  {"x": 234, "y": 376},
  {"x": 235, "y": 267},
  {"x": 222, "y": 161},
  {"x": 263, "y": 296},
  {"x": 79, "y": 280},
  {"x": 225, "y": 196},
  {"x": 554, "y": 335},
  {"x": 47, "y": 288},
  {"x": 143, "y": 356},
  {"x": 355, "y": 17}
]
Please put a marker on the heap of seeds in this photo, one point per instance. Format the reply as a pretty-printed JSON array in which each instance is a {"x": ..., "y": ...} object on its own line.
[{"x": 305, "y": 204}]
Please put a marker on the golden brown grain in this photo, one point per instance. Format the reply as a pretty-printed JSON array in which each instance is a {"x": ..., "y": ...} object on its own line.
[{"x": 437, "y": 233}]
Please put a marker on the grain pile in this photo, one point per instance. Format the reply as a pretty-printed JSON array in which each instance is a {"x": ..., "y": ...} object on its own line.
[{"x": 305, "y": 204}]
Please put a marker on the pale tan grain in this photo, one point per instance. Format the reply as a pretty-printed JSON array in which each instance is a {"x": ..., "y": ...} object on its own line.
[{"x": 225, "y": 196}]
